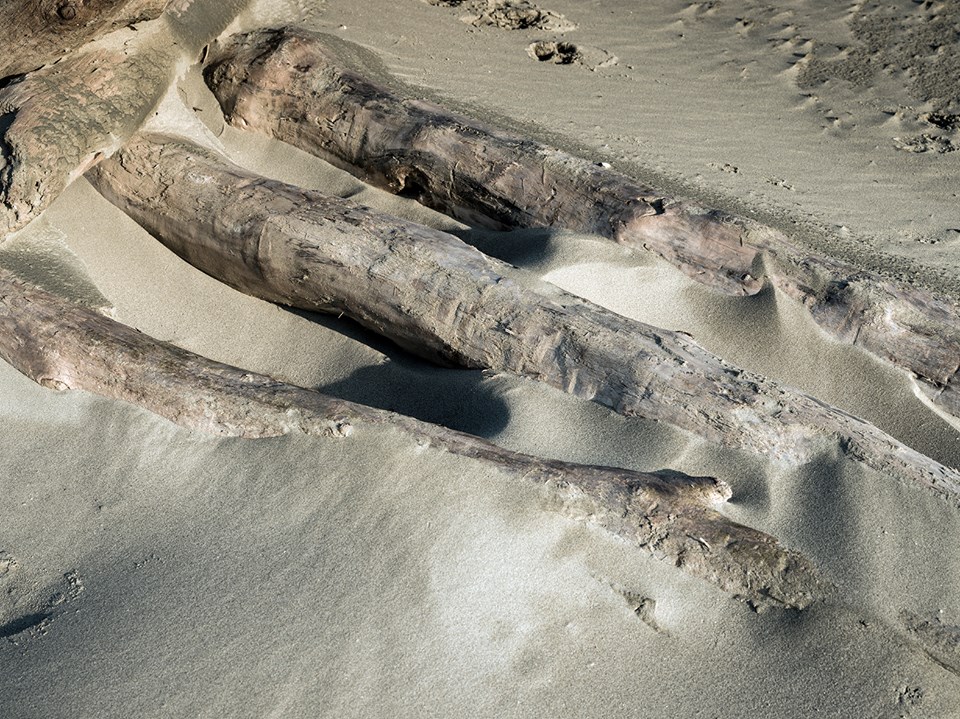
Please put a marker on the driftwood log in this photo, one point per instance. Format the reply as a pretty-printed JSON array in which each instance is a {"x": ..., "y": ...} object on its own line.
[
  {"x": 38, "y": 32},
  {"x": 909, "y": 328},
  {"x": 300, "y": 88},
  {"x": 64, "y": 346},
  {"x": 60, "y": 120},
  {"x": 445, "y": 300},
  {"x": 293, "y": 85}
]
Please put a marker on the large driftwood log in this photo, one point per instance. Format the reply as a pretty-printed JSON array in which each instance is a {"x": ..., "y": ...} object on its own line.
[
  {"x": 912, "y": 329},
  {"x": 62, "y": 119},
  {"x": 295, "y": 86},
  {"x": 63, "y": 346},
  {"x": 447, "y": 301},
  {"x": 38, "y": 32},
  {"x": 299, "y": 88}
]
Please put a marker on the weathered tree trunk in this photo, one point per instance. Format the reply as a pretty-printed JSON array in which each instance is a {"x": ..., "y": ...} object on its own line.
[
  {"x": 60, "y": 120},
  {"x": 63, "y": 346},
  {"x": 294, "y": 85},
  {"x": 38, "y": 32},
  {"x": 297, "y": 87},
  {"x": 912, "y": 329},
  {"x": 447, "y": 301}
]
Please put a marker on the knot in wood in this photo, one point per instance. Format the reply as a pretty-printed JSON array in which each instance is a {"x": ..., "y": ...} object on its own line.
[{"x": 67, "y": 10}]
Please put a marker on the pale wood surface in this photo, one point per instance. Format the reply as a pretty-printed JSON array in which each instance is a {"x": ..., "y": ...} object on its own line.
[
  {"x": 674, "y": 517},
  {"x": 60, "y": 120},
  {"x": 38, "y": 32},
  {"x": 445, "y": 300},
  {"x": 298, "y": 87}
]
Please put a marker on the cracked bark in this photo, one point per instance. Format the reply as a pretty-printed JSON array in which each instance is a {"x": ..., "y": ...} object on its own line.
[
  {"x": 301, "y": 88},
  {"x": 446, "y": 301},
  {"x": 673, "y": 517}
]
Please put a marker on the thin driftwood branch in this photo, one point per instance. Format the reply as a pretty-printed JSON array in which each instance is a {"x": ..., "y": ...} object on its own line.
[
  {"x": 445, "y": 300},
  {"x": 64, "y": 346},
  {"x": 300, "y": 88},
  {"x": 38, "y": 32}
]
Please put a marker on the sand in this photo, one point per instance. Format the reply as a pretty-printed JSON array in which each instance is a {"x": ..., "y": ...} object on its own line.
[{"x": 149, "y": 571}]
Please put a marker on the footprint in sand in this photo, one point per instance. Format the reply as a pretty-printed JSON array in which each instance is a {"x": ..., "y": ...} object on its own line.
[
  {"x": 33, "y": 620},
  {"x": 7, "y": 564}
]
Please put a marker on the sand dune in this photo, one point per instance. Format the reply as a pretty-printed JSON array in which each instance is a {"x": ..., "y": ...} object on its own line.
[{"x": 146, "y": 570}]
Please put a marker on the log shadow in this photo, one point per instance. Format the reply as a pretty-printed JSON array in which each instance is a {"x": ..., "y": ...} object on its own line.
[
  {"x": 22, "y": 624},
  {"x": 522, "y": 247},
  {"x": 460, "y": 399},
  {"x": 819, "y": 506}
]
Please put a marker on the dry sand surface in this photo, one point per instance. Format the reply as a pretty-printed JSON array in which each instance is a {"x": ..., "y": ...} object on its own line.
[{"x": 148, "y": 571}]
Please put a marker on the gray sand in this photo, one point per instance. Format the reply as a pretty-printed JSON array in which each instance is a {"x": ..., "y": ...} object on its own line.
[{"x": 147, "y": 571}]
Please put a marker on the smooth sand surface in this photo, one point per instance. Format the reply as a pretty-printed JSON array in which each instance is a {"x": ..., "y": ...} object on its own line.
[{"x": 148, "y": 571}]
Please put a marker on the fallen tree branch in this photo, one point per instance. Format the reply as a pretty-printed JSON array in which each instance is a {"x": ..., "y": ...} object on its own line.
[
  {"x": 38, "y": 32},
  {"x": 447, "y": 301},
  {"x": 64, "y": 346},
  {"x": 300, "y": 88}
]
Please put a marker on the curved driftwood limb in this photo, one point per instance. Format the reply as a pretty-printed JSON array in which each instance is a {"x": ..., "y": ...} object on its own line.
[
  {"x": 294, "y": 85},
  {"x": 58, "y": 121},
  {"x": 298, "y": 87},
  {"x": 63, "y": 346},
  {"x": 445, "y": 300},
  {"x": 38, "y": 32}
]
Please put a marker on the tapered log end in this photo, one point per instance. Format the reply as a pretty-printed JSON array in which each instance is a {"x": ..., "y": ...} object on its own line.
[
  {"x": 238, "y": 68},
  {"x": 750, "y": 565},
  {"x": 672, "y": 517}
]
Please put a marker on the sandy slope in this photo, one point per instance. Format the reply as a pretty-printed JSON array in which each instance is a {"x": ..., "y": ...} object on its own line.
[{"x": 147, "y": 571}]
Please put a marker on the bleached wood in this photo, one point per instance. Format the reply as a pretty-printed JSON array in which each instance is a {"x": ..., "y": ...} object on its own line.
[
  {"x": 674, "y": 517},
  {"x": 445, "y": 300},
  {"x": 38, "y": 32},
  {"x": 302, "y": 88},
  {"x": 60, "y": 120},
  {"x": 294, "y": 85}
]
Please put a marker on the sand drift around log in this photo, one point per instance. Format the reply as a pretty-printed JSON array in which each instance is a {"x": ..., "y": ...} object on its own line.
[{"x": 428, "y": 291}]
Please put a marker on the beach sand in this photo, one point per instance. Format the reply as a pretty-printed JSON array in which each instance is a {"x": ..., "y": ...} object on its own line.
[{"x": 150, "y": 571}]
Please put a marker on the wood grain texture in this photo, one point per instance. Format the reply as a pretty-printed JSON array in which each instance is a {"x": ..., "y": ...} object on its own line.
[
  {"x": 445, "y": 300},
  {"x": 674, "y": 517},
  {"x": 38, "y": 32},
  {"x": 912, "y": 329},
  {"x": 298, "y": 87}
]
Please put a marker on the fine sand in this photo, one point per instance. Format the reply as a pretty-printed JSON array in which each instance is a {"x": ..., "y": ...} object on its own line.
[{"x": 148, "y": 571}]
